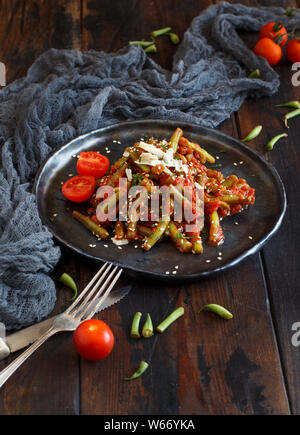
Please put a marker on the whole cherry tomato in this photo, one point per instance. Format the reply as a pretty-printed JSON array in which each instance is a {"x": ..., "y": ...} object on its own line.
[
  {"x": 79, "y": 188},
  {"x": 293, "y": 50},
  {"x": 93, "y": 339},
  {"x": 92, "y": 163},
  {"x": 268, "y": 49},
  {"x": 274, "y": 30}
]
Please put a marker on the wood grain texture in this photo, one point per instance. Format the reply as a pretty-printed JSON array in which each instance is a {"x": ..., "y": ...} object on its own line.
[
  {"x": 29, "y": 28},
  {"x": 202, "y": 364},
  {"x": 279, "y": 256},
  {"x": 190, "y": 372}
]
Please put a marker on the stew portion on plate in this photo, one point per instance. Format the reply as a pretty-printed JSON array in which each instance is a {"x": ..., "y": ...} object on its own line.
[{"x": 159, "y": 189}]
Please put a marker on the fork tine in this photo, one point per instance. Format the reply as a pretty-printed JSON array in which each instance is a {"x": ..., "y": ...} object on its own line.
[
  {"x": 104, "y": 296},
  {"x": 106, "y": 266},
  {"x": 91, "y": 293},
  {"x": 86, "y": 305}
]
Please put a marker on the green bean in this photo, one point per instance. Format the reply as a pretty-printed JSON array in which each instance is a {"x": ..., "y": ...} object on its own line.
[
  {"x": 230, "y": 181},
  {"x": 174, "y": 38},
  {"x": 110, "y": 202},
  {"x": 134, "y": 333},
  {"x": 218, "y": 309},
  {"x": 272, "y": 142},
  {"x": 175, "y": 138},
  {"x": 91, "y": 225},
  {"x": 120, "y": 162},
  {"x": 135, "y": 158},
  {"x": 230, "y": 199},
  {"x": 293, "y": 104},
  {"x": 255, "y": 74},
  {"x": 143, "y": 44},
  {"x": 156, "y": 235},
  {"x": 205, "y": 156},
  {"x": 117, "y": 174},
  {"x": 142, "y": 368},
  {"x": 68, "y": 281},
  {"x": 145, "y": 231},
  {"x": 151, "y": 49},
  {"x": 119, "y": 230},
  {"x": 253, "y": 133},
  {"x": 147, "y": 330},
  {"x": 215, "y": 236},
  {"x": 160, "y": 32},
  {"x": 170, "y": 319},
  {"x": 132, "y": 230},
  {"x": 197, "y": 245},
  {"x": 290, "y": 115},
  {"x": 178, "y": 238}
]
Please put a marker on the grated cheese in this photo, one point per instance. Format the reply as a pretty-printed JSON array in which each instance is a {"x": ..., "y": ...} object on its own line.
[
  {"x": 128, "y": 174},
  {"x": 119, "y": 242}
]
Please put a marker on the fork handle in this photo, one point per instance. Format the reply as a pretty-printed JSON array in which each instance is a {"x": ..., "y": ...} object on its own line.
[{"x": 13, "y": 366}]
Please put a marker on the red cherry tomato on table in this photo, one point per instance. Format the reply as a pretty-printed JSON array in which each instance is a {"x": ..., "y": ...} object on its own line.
[
  {"x": 267, "y": 31},
  {"x": 92, "y": 163},
  {"x": 268, "y": 49},
  {"x": 93, "y": 339},
  {"x": 79, "y": 188},
  {"x": 293, "y": 50}
]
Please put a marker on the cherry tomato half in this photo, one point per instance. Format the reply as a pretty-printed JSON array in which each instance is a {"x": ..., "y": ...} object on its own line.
[
  {"x": 267, "y": 31},
  {"x": 293, "y": 50},
  {"x": 92, "y": 163},
  {"x": 93, "y": 339},
  {"x": 268, "y": 49},
  {"x": 79, "y": 188}
]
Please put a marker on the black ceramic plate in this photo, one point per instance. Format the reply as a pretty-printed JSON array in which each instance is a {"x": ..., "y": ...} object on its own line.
[{"x": 245, "y": 233}]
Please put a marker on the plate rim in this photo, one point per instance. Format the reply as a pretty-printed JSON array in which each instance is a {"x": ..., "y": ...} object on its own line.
[{"x": 182, "y": 277}]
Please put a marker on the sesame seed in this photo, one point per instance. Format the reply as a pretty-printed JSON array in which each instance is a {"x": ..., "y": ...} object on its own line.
[
  {"x": 235, "y": 164},
  {"x": 236, "y": 223},
  {"x": 207, "y": 261},
  {"x": 219, "y": 258},
  {"x": 176, "y": 267},
  {"x": 174, "y": 272},
  {"x": 70, "y": 175},
  {"x": 119, "y": 247},
  {"x": 241, "y": 162},
  {"x": 61, "y": 182},
  {"x": 92, "y": 246},
  {"x": 217, "y": 157},
  {"x": 136, "y": 246},
  {"x": 107, "y": 152},
  {"x": 250, "y": 237},
  {"x": 54, "y": 214},
  {"x": 167, "y": 273},
  {"x": 74, "y": 155},
  {"x": 220, "y": 253},
  {"x": 105, "y": 246}
]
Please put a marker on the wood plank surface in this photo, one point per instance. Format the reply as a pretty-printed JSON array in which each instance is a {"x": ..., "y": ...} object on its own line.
[
  {"x": 28, "y": 28},
  {"x": 279, "y": 256},
  {"x": 48, "y": 383},
  {"x": 188, "y": 394},
  {"x": 203, "y": 364}
]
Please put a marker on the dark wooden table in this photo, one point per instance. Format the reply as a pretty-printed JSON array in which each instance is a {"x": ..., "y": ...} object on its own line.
[{"x": 202, "y": 365}]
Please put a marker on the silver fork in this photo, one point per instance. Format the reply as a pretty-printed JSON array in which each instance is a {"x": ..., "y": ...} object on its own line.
[{"x": 74, "y": 314}]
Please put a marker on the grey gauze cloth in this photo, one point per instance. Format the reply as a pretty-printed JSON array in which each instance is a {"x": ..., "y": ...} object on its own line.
[{"x": 66, "y": 93}]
